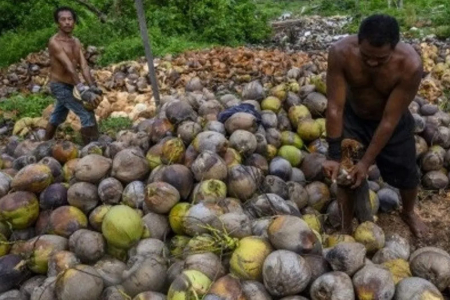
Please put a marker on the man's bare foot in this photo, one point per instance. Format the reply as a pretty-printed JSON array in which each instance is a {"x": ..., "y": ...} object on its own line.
[{"x": 416, "y": 225}]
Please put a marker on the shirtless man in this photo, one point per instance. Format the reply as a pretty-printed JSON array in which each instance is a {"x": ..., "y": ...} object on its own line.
[
  {"x": 65, "y": 56},
  {"x": 371, "y": 80}
]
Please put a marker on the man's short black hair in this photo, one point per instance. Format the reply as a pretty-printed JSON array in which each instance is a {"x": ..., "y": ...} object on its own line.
[
  {"x": 379, "y": 30},
  {"x": 64, "y": 8}
]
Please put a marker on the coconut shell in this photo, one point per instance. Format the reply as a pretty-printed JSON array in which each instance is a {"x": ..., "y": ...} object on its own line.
[
  {"x": 318, "y": 195},
  {"x": 311, "y": 167},
  {"x": 55, "y": 195},
  {"x": 28, "y": 286},
  {"x": 32, "y": 178},
  {"x": 258, "y": 161},
  {"x": 130, "y": 165},
  {"x": 416, "y": 288},
  {"x": 370, "y": 235},
  {"x": 65, "y": 220},
  {"x": 207, "y": 263},
  {"x": 64, "y": 151},
  {"x": 428, "y": 109},
  {"x": 92, "y": 168},
  {"x": 399, "y": 269},
  {"x": 157, "y": 225},
  {"x": 243, "y": 121},
  {"x": 67, "y": 286},
  {"x": 432, "y": 266},
  {"x": 243, "y": 181},
  {"x": 133, "y": 194},
  {"x": 215, "y": 126},
  {"x": 292, "y": 233},
  {"x": 41, "y": 248},
  {"x": 347, "y": 257},
  {"x": 285, "y": 273},
  {"x": 110, "y": 190},
  {"x": 333, "y": 285},
  {"x": 374, "y": 282},
  {"x": 160, "y": 197},
  {"x": 83, "y": 195},
  {"x": 274, "y": 184},
  {"x": 255, "y": 290},
  {"x": 12, "y": 270},
  {"x": 266, "y": 205},
  {"x": 20, "y": 209},
  {"x": 243, "y": 141},
  {"x": 55, "y": 167},
  {"x": 89, "y": 246},
  {"x": 150, "y": 296},
  {"x": 179, "y": 111},
  {"x": 61, "y": 261},
  {"x": 389, "y": 200},
  {"x": 179, "y": 177},
  {"x": 281, "y": 168},
  {"x": 210, "y": 141},
  {"x": 210, "y": 190},
  {"x": 435, "y": 180},
  {"x": 253, "y": 90},
  {"x": 188, "y": 130},
  {"x": 316, "y": 104}
]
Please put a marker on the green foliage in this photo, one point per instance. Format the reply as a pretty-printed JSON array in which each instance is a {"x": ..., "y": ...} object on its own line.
[
  {"x": 114, "y": 125},
  {"x": 26, "y": 105},
  {"x": 174, "y": 25}
]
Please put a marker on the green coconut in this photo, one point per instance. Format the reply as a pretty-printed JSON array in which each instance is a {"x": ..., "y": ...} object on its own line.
[
  {"x": 4, "y": 245},
  {"x": 176, "y": 216},
  {"x": 211, "y": 190},
  {"x": 153, "y": 156},
  {"x": 309, "y": 130},
  {"x": 313, "y": 222},
  {"x": 173, "y": 151},
  {"x": 248, "y": 258},
  {"x": 190, "y": 284},
  {"x": 122, "y": 226},
  {"x": 371, "y": 236},
  {"x": 291, "y": 154},
  {"x": 279, "y": 91},
  {"x": 297, "y": 113},
  {"x": 291, "y": 138},
  {"x": 336, "y": 238},
  {"x": 65, "y": 220},
  {"x": 32, "y": 178},
  {"x": 177, "y": 244},
  {"x": 20, "y": 209},
  {"x": 271, "y": 103}
]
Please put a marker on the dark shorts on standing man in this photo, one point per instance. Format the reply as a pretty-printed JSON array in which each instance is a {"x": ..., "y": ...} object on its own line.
[
  {"x": 397, "y": 160},
  {"x": 65, "y": 101}
]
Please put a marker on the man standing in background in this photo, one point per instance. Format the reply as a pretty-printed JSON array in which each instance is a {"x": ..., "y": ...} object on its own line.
[{"x": 71, "y": 94}]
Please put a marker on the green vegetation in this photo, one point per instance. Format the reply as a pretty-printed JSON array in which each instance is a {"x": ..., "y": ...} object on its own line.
[
  {"x": 113, "y": 125},
  {"x": 26, "y": 105},
  {"x": 433, "y": 15},
  {"x": 174, "y": 26}
]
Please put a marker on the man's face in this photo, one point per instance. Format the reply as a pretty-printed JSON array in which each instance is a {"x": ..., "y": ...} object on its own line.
[
  {"x": 374, "y": 56},
  {"x": 66, "y": 22}
]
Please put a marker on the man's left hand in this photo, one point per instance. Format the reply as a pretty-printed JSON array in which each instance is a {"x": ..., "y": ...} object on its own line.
[{"x": 358, "y": 174}]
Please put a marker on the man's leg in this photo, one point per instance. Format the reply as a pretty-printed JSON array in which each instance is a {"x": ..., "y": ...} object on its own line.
[
  {"x": 408, "y": 214},
  {"x": 89, "y": 128},
  {"x": 346, "y": 201}
]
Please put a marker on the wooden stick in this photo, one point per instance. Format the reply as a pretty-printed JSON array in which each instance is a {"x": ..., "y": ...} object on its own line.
[{"x": 148, "y": 51}]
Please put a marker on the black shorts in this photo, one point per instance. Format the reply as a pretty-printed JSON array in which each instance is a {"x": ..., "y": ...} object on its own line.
[{"x": 397, "y": 160}]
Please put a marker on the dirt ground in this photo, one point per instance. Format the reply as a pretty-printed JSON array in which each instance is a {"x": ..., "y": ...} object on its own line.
[{"x": 434, "y": 208}]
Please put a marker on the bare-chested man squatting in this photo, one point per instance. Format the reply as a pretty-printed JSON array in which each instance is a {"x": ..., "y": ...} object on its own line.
[{"x": 372, "y": 78}]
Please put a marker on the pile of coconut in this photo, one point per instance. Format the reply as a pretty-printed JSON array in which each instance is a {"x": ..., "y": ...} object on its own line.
[
  {"x": 218, "y": 196},
  {"x": 221, "y": 70}
]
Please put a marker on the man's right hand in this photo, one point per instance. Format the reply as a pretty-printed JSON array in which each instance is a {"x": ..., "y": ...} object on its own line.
[
  {"x": 89, "y": 96},
  {"x": 331, "y": 169}
]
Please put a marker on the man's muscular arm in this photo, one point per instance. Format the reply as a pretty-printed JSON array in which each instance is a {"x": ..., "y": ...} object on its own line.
[
  {"x": 57, "y": 51},
  {"x": 398, "y": 102},
  {"x": 84, "y": 66},
  {"x": 336, "y": 93}
]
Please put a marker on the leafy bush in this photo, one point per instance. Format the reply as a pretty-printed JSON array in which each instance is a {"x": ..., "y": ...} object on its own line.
[
  {"x": 114, "y": 125},
  {"x": 174, "y": 25}
]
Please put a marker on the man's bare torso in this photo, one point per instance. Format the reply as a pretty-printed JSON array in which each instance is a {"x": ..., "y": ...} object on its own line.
[
  {"x": 58, "y": 73},
  {"x": 368, "y": 88}
]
